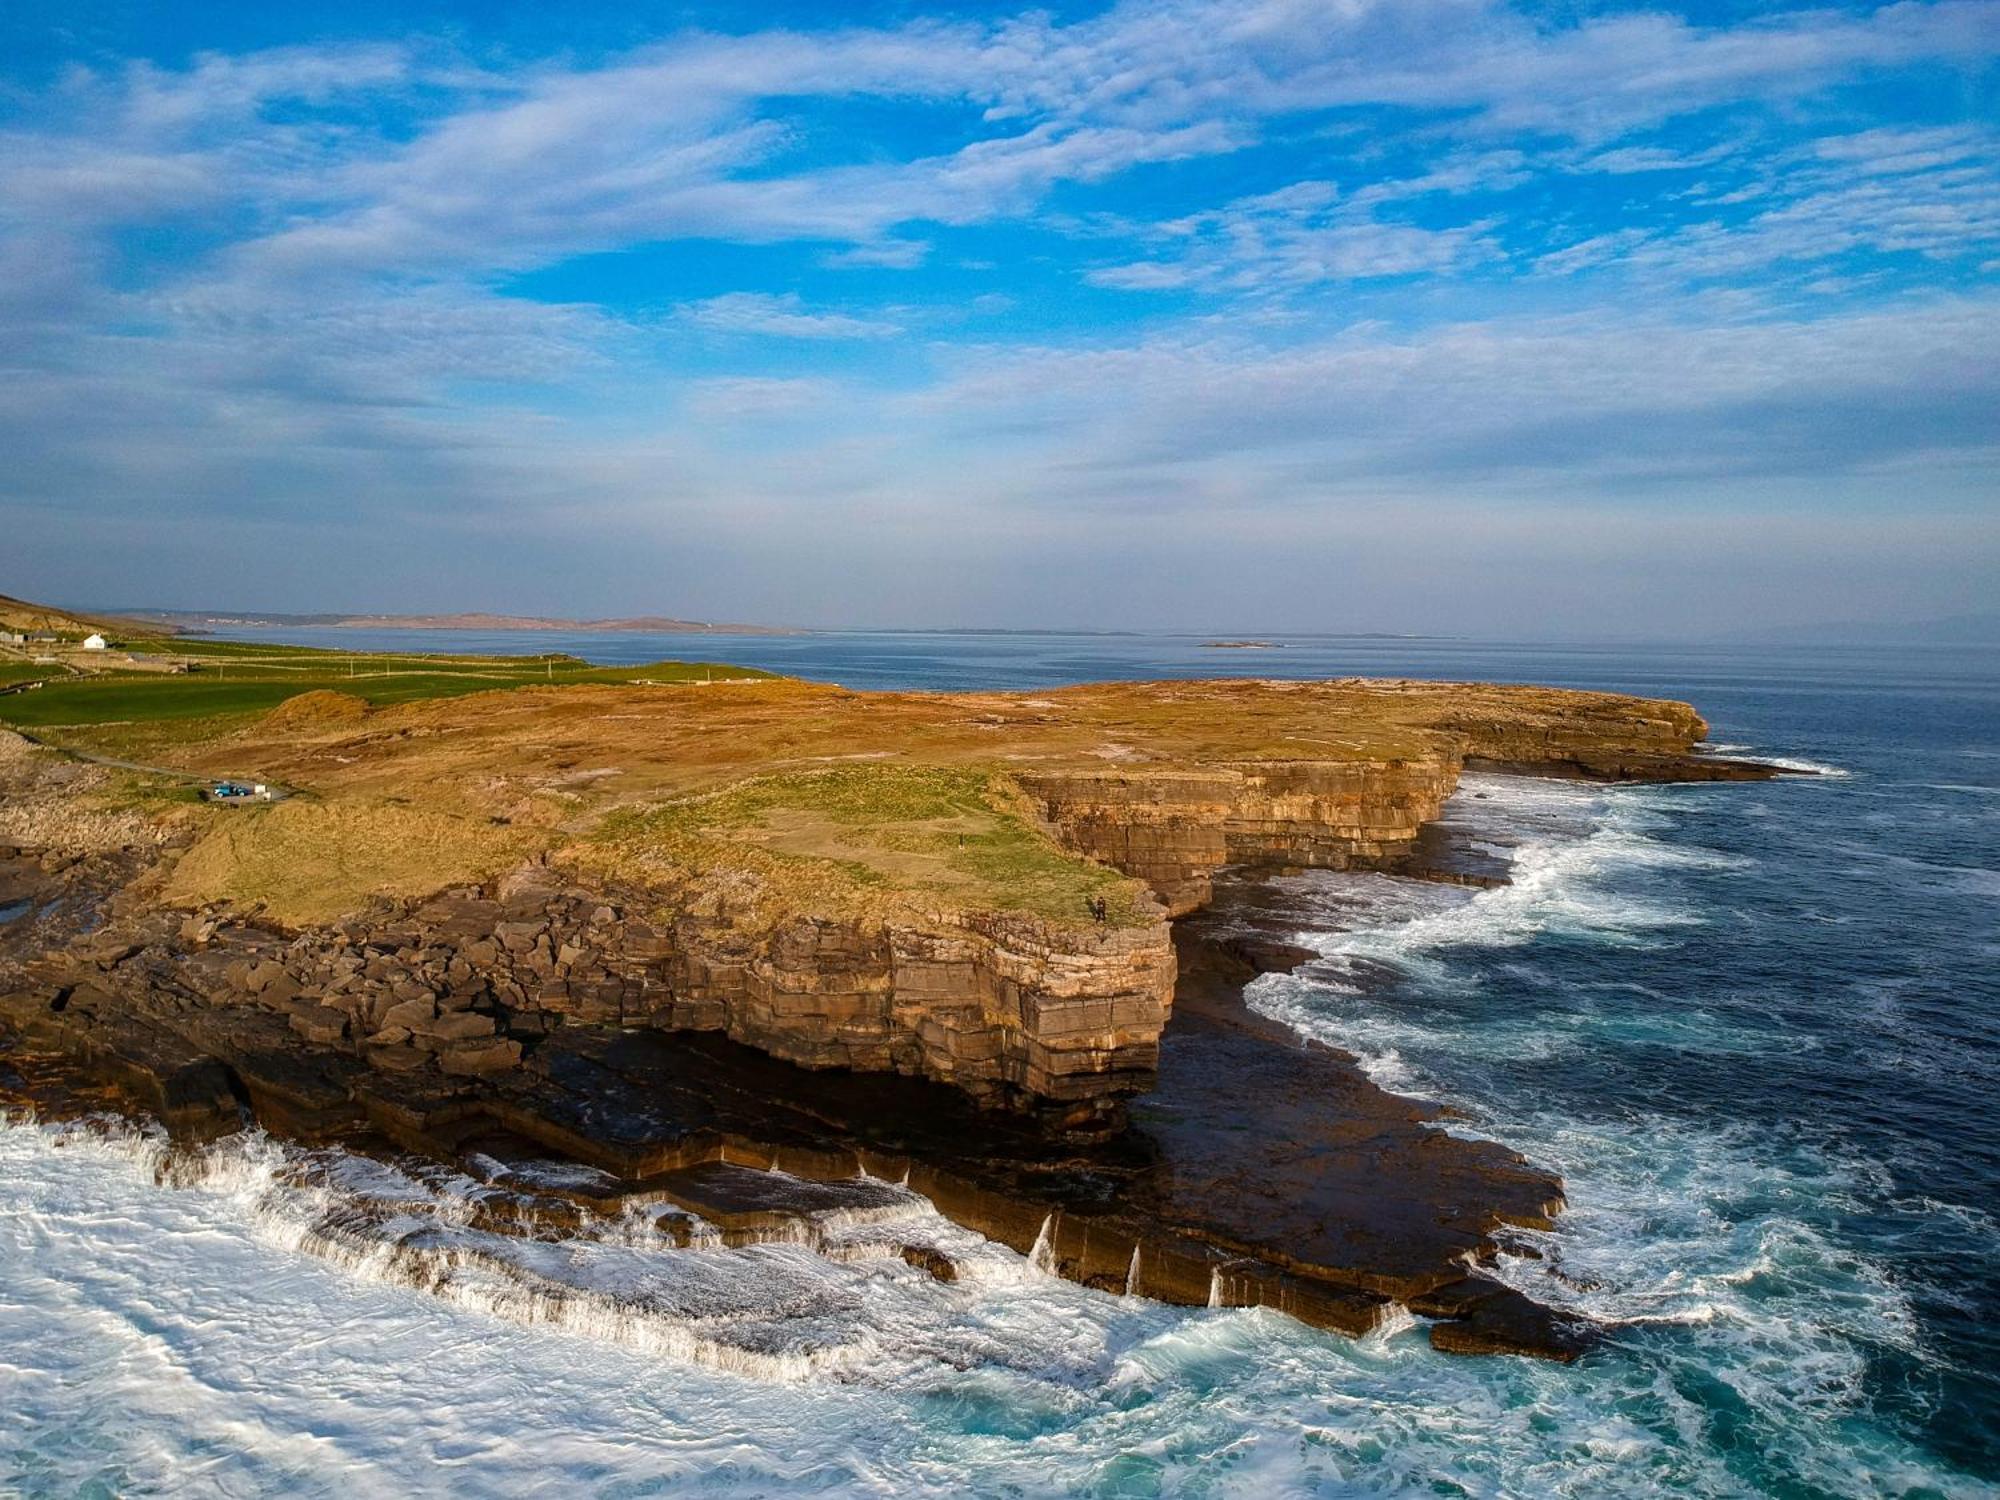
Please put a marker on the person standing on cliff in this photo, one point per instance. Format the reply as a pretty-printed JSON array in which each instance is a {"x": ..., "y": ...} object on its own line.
[{"x": 1098, "y": 909}]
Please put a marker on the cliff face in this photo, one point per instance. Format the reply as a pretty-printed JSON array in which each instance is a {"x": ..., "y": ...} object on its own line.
[
  {"x": 1011, "y": 1010},
  {"x": 897, "y": 883},
  {"x": 1617, "y": 739},
  {"x": 1174, "y": 830},
  {"x": 859, "y": 884},
  {"x": 1261, "y": 1172}
]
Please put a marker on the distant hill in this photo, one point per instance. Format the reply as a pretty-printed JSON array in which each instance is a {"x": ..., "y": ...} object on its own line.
[
  {"x": 635, "y": 624},
  {"x": 19, "y": 615}
]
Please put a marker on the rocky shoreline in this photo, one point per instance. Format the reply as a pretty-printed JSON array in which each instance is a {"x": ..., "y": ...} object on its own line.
[
  {"x": 1259, "y": 1171},
  {"x": 1096, "y": 1095}
]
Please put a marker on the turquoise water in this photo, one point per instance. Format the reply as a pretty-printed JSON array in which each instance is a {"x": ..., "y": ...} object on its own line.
[{"x": 1754, "y": 1026}]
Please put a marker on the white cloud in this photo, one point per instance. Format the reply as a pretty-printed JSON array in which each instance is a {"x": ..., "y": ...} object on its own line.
[
  {"x": 329, "y": 343},
  {"x": 780, "y": 317},
  {"x": 1544, "y": 407},
  {"x": 889, "y": 255},
  {"x": 1301, "y": 236},
  {"x": 1934, "y": 193}
]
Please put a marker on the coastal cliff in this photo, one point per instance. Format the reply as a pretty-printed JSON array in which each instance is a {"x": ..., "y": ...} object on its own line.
[
  {"x": 1176, "y": 829},
  {"x": 974, "y": 889},
  {"x": 933, "y": 937}
]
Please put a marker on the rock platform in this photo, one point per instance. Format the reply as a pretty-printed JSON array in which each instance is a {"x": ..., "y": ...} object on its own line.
[
  {"x": 1259, "y": 1171},
  {"x": 1095, "y": 1094}
]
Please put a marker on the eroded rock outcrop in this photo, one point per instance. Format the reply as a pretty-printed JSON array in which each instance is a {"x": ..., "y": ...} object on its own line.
[
  {"x": 1011, "y": 1010},
  {"x": 559, "y": 1001},
  {"x": 1175, "y": 829},
  {"x": 943, "y": 971},
  {"x": 1260, "y": 1173}
]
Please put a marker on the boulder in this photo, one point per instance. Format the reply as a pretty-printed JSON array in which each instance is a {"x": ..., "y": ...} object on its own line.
[
  {"x": 459, "y": 1026},
  {"x": 472, "y": 1059},
  {"x": 410, "y": 1015}
]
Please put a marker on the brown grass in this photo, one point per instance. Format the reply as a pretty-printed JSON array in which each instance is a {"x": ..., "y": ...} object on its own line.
[
  {"x": 818, "y": 797},
  {"x": 322, "y": 708},
  {"x": 307, "y": 862}
]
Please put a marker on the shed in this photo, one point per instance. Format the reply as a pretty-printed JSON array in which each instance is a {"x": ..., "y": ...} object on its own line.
[{"x": 94, "y": 643}]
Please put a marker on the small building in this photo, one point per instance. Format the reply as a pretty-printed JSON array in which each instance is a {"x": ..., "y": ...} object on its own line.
[{"x": 94, "y": 643}]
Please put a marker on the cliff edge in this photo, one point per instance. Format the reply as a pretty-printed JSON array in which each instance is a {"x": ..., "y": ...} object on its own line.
[{"x": 972, "y": 888}]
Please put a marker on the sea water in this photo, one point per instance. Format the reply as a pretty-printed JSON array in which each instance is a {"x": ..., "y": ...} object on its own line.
[{"x": 1755, "y": 1027}]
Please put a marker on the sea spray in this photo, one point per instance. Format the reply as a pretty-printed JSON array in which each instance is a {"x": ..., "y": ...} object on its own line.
[
  {"x": 1804, "y": 1266},
  {"x": 1042, "y": 1255},
  {"x": 621, "y": 1278}
]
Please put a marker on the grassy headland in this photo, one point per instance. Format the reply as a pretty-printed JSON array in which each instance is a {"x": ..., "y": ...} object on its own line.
[{"x": 419, "y": 770}]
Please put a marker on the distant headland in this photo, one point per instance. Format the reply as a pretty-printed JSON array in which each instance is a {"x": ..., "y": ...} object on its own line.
[{"x": 207, "y": 620}]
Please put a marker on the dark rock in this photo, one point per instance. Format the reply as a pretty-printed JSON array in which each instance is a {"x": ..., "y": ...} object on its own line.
[
  {"x": 319, "y": 1024},
  {"x": 394, "y": 1059},
  {"x": 1485, "y": 1317},
  {"x": 472, "y": 1059},
  {"x": 932, "y": 1261}
]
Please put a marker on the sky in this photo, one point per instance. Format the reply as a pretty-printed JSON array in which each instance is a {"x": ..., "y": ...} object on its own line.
[{"x": 1530, "y": 320}]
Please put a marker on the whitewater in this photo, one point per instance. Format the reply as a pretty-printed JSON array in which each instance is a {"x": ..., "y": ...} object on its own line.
[{"x": 1753, "y": 1028}]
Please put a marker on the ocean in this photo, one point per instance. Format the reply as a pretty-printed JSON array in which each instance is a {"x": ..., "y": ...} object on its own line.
[{"x": 1755, "y": 1027}]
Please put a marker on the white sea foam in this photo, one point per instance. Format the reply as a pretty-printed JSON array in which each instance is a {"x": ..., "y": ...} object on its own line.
[
  {"x": 1818, "y": 768},
  {"x": 197, "y": 1338},
  {"x": 1576, "y": 853},
  {"x": 278, "y": 1321},
  {"x": 1676, "y": 1232},
  {"x": 1587, "y": 865}
]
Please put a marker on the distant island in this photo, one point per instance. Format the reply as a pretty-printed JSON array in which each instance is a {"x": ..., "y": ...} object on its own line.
[
  {"x": 1240, "y": 646},
  {"x": 203, "y": 620}
]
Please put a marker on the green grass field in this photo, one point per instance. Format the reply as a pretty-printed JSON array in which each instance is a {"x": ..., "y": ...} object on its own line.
[{"x": 234, "y": 681}]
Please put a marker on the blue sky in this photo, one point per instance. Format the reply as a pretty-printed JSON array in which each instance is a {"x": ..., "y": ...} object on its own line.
[{"x": 1355, "y": 314}]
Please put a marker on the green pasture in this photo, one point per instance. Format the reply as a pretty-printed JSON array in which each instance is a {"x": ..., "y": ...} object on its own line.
[{"x": 235, "y": 679}]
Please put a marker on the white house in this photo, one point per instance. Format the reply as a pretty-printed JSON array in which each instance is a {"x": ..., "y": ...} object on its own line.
[{"x": 94, "y": 643}]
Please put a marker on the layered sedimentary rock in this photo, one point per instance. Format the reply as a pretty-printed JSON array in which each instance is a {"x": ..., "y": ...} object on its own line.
[
  {"x": 1261, "y": 1173},
  {"x": 1006, "y": 1008},
  {"x": 576, "y": 992},
  {"x": 1174, "y": 830},
  {"x": 832, "y": 947}
]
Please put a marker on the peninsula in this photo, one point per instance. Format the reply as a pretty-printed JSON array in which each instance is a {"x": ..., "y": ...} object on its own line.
[{"x": 692, "y": 926}]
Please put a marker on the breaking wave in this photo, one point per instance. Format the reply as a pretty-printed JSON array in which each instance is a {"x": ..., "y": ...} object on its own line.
[
  {"x": 262, "y": 1319},
  {"x": 320, "y": 1324},
  {"x": 1584, "y": 868}
]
